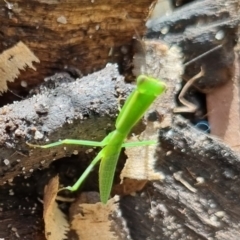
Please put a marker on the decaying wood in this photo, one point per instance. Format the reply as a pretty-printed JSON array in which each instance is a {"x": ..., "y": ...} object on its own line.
[
  {"x": 81, "y": 36},
  {"x": 199, "y": 197},
  {"x": 205, "y": 25},
  {"x": 17, "y": 58},
  {"x": 197, "y": 28},
  {"x": 72, "y": 110},
  {"x": 223, "y": 109},
  {"x": 56, "y": 224},
  {"x": 63, "y": 108},
  {"x": 91, "y": 219}
]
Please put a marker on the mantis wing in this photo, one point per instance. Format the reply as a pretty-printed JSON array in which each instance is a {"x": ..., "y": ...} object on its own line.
[{"x": 107, "y": 169}]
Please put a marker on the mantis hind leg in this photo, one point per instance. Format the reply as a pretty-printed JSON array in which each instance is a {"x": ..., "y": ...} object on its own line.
[
  {"x": 91, "y": 165},
  {"x": 85, "y": 174}
]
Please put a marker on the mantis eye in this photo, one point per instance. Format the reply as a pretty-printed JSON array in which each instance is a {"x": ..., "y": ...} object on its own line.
[{"x": 150, "y": 86}]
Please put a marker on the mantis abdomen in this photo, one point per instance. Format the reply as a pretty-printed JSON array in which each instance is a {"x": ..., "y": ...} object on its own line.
[{"x": 110, "y": 155}]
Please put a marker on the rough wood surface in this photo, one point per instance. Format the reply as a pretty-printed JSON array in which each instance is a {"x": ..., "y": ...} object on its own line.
[
  {"x": 199, "y": 198},
  {"x": 199, "y": 27},
  {"x": 223, "y": 110},
  {"x": 63, "y": 108},
  {"x": 81, "y": 36},
  {"x": 71, "y": 110}
]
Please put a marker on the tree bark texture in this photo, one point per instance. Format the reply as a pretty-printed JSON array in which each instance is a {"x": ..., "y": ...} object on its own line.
[
  {"x": 199, "y": 196},
  {"x": 80, "y": 36}
]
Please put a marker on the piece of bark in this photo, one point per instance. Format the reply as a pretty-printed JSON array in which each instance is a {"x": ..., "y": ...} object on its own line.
[
  {"x": 76, "y": 35},
  {"x": 197, "y": 28},
  {"x": 170, "y": 196},
  {"x": 56, "y": 224},
  {"x": 199, "y": 197},
  {"x": 223, "y": 110},
  {"x": 91, "y": 219},
  {"x": 72, "y": 110},
  {"x": 162, "y": 62},
  {"x": 17, "y": 58},
  {"x": 201, "y": 26}
]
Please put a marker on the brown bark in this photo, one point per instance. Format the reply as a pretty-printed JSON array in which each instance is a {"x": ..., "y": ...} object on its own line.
[
  {"x": 64, "y": 108},
  {"x": 76, "y": 35},
  {"x": 70, "y": 110},
  {"x": 198, "y": 28},
  {"x": 199, "y": 197}
]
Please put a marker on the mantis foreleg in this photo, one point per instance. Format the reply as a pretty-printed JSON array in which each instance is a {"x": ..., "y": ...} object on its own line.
[{"x": 92, "y": 143}]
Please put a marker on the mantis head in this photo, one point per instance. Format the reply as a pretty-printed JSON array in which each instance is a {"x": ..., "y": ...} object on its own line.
[{"x": 150, "y": 86}]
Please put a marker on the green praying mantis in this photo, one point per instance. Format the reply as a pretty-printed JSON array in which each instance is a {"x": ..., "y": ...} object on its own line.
[{"x": 147, "y": 90}]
